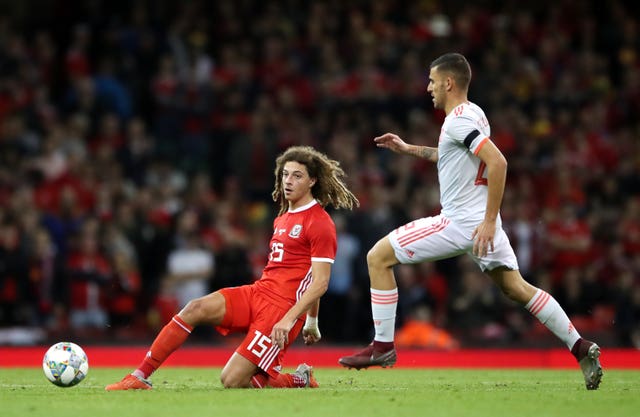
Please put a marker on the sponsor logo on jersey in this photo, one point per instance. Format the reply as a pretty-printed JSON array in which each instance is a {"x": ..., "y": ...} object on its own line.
[
  {"x": 295, "y": 231},
  {"x": 410, "y": 253}
]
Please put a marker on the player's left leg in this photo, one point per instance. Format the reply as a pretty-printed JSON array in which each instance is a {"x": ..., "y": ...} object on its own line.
[
  {"x": 502, "y": 266},
  {"x": 546, "y": 309},
  {"x": 207, "y": 309}
]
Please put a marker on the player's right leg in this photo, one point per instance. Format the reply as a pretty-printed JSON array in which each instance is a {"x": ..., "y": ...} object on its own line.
[
  {"x": 238, "y": 372},
  {"x": 302, "y": 377},
  {"x": 425, "y": 239},
  {"x": 305, "y": 372},
  {"x": 384, "y": 301},
  {"x": 208, "y": 309}
]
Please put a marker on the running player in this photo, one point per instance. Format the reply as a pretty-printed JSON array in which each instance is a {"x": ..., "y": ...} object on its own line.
[
  {"x": 271, "y": 310},
  {"x": 471, "y": 173}
]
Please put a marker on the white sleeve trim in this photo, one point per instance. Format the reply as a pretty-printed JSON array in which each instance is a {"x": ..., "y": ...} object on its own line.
[{"x": 328, "y": 260}]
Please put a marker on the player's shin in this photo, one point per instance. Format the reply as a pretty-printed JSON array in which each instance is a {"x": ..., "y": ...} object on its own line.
[{"x": 170, "y": 338}]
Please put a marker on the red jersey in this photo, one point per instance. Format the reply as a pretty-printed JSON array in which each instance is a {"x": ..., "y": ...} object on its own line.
[{"x": 299, "y": 237}]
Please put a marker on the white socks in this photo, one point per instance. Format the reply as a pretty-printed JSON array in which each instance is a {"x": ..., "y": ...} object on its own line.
[
  {"x": 542, "y": 305},
  {"x": 549, "y": 312},
  {"x": 383, "y": 309}
]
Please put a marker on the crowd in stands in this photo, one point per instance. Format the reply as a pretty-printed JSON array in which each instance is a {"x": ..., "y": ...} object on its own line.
[{"x": 138, "y": 140}]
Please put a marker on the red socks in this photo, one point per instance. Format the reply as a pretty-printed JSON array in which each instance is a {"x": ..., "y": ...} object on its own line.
[
  {"x": 170, "y": 338},
  {"x": 262, "y": 380}
]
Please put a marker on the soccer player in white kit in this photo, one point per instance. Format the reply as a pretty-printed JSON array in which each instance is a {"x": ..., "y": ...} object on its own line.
[{"x": 472, "y": 174}]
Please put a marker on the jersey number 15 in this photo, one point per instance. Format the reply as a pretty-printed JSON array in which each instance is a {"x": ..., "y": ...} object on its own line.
[{"x": 277, "y": 252}]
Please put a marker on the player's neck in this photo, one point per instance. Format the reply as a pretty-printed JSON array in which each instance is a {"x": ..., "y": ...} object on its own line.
[
  {"x": 454, "y": 102},
  {"x": 301, "y": 202}
]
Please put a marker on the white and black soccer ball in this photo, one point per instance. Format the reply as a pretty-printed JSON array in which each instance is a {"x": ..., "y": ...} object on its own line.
[{"x": 65, "y": 364}]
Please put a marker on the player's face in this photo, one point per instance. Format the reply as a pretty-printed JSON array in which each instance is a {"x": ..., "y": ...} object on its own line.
[
  {"x": 296, "y": 184},
  {"x": 437, "y": 88}
]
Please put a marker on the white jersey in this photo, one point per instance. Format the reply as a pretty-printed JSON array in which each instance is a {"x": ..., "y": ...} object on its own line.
[
  {"x": 463, "y": 195},
  {"x": 462, "y": 175}
]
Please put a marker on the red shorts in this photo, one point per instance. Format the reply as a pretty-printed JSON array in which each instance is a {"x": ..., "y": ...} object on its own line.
[{"x": 249, "y": 311}]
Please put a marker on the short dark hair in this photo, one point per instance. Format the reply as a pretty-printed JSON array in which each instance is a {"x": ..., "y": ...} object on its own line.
[{"x": 455, "y": 64}]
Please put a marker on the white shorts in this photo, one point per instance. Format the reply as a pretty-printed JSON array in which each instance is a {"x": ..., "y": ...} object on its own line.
[{"x": 437, "y": 237}]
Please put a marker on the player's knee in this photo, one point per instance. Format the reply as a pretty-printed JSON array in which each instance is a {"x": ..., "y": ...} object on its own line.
[
  {"x": 508, "y": 292},
  {"x": 374, "y": 259},
  {"x": 195, "y": 311},
  {"x": 209, "y": 309},
  {"x": 381, "y": 255},
  {"x": 226, "y": 381},
  {"x": 372, "y": 256},
  {"x": 378, "y": 255},
  {"x": 231, "y": 381},
  {"x": 515, "y": 291}
]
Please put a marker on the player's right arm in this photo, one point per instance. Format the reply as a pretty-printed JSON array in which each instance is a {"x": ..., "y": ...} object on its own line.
[{"x": 396, "y": 144}]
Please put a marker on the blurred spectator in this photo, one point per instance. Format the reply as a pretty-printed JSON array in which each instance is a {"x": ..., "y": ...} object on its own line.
[
  {"x": 142, "y": 114},
  {"x": 418, "y": 331},
  {"x": 46, "y": 286},
  {"x": 189, "y": 270},
  {"x": 627, "y": 298},
  {"x": 89, "y": 276},
  {"x": 338, "y": 303},
  {"x": 569, "y": 239},
  {"x": 477, "y": 310},
  {"x": 13, "y": 276}
]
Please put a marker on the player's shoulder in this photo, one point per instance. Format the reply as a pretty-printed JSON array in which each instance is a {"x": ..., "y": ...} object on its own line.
[
  {"x": 319, "y": 213},
  {"x": 466, "y": 110},
  {"x": 319, "y": 221}
]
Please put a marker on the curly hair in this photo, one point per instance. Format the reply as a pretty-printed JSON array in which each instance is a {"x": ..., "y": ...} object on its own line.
[{"x": 329, "y": 187}]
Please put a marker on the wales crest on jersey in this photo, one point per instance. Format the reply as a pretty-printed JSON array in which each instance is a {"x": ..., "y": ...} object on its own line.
[{"x": 295, "y": 231}]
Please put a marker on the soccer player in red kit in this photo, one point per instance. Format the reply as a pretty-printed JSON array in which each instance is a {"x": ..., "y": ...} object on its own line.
[{"x": 270, "y": 311}]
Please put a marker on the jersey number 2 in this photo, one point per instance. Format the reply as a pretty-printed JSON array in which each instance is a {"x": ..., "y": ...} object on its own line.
[{"x": 480, "y": 178}]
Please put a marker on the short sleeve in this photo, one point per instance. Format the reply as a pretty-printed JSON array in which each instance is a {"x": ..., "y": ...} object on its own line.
[
  {"x": 465, "y": 131},
  {"x": 322, "y": 236}
]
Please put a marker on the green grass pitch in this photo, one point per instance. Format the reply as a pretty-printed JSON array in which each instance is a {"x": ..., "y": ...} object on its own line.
[{"x": 190, "y": 392}]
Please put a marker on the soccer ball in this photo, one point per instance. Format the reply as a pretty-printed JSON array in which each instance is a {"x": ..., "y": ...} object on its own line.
[{"x": 65, "y": 364}]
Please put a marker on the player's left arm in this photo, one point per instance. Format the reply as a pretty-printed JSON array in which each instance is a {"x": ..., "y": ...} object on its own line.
[
  {"x": 311, "y": 331},
  {"x": 496, "y": 167},
  {"x": 321, "y": 271}
]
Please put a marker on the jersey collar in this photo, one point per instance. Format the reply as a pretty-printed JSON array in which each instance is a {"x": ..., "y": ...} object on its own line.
[{"x": 303, "y": 208}]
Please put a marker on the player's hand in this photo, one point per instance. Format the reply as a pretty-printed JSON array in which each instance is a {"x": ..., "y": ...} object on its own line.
[
  {"x": 311, "y": 335},
  {"x": 483, "y": 238},
  {"x": 280, "y": 332},
  {"x": 391, "y": 141}
]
